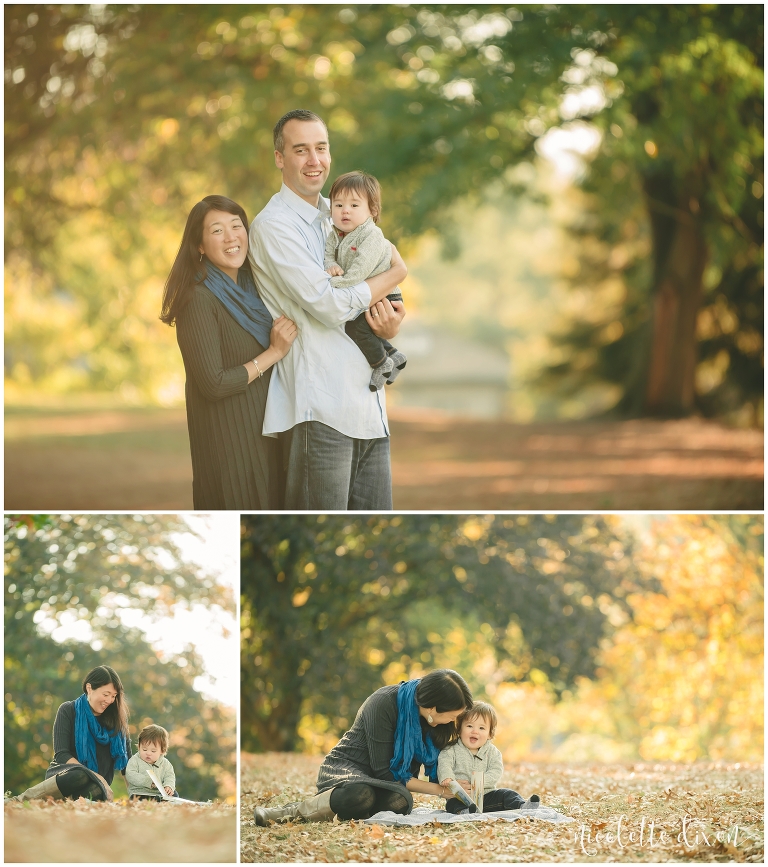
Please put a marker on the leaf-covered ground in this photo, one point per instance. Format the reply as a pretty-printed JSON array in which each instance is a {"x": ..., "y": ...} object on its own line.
[
  {"x": 720, "y": 800},
  {"x": 144, "y": 831},
  {"x": 73, "y": 456}
]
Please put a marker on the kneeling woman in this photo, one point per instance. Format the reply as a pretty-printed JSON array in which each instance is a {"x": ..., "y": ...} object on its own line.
[
  {"x": 375, "y": 765},
  {"x": 90, "y": 741}
]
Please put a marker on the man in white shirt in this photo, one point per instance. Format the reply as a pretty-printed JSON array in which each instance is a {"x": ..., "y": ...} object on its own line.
[{"x": 333, "y": 429}]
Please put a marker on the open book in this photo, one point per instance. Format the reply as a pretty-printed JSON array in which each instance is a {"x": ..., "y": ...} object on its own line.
[{"x": 166, "y": 796}]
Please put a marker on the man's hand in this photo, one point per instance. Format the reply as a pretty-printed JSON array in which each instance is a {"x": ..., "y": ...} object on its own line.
[
  {"x": 335, "y": 271},
  {"x": 385, "y": 318}
]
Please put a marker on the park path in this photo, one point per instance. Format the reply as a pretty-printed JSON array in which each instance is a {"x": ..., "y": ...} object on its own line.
[{"x": 139, "y": 459}]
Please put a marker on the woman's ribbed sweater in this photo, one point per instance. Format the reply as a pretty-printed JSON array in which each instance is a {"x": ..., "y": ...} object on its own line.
[
  {"x": 365, "y": 751},
  {"x": 64, "y": 744},
  {"x": 233, "y": 465}
]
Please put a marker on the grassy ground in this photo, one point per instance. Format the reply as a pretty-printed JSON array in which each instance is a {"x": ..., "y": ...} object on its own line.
[
  {"x": 720, "y": 800},
  {"x": 79, "y": 831},
  {"x": 116, "y": 458}
]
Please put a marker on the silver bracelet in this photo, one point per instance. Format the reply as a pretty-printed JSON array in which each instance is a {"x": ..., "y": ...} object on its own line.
[{"x": 258, "y": 369}]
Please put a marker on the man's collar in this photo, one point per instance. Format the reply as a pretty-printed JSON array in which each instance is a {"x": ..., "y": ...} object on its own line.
[{"x": 306, "y": 211}]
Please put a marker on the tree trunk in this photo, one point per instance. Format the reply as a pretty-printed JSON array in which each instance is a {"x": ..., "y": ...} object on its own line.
[{"x": 680, "y": 254}]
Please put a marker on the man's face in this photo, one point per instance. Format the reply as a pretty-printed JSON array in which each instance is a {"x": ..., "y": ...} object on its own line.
[{"x": 306, "y": 158}]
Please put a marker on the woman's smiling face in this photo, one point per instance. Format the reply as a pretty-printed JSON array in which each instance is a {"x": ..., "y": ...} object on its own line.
[
  {"x": 100, "y": 699},
  {"x": 224, "y": 241}
]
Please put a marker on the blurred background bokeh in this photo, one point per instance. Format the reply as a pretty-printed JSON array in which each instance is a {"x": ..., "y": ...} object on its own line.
[
  {"x": 597, "y": 638},
  {"x": 152, "y": 596},
  {"x": 578, "y": 191}
]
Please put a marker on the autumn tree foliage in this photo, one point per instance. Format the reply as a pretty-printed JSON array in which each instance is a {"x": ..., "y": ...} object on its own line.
[
  {"x": 119, "y": 118},
  {"x": 335, "y": 606},
  {"x": 684, "y": 680}
]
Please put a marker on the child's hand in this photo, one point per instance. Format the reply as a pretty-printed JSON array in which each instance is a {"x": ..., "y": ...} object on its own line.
[
  {"x": 446, "y": 782},
  {"x": 335, "y": 271},
  {"x": 168, "y": 790}
]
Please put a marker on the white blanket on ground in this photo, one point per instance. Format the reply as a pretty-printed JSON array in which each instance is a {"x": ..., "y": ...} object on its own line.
[{"x": 423, "y": 816}]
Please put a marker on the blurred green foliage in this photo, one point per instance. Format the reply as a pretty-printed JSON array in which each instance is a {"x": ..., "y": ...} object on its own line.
[
  {"x": 119, "y": 118},
  {"x": 335, "y": 606},
  {"x": 88, "y": 568}
]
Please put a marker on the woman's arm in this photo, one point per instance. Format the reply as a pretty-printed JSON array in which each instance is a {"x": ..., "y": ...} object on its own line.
[
  {"x": 64, "y": 736},
  {"x": 425, "y": 788},
  {"x": 284, "y": 332},
  {"x": 198, "y": 336}
]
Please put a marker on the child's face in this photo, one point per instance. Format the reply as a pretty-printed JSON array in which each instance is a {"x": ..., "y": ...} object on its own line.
[
  {"x": 349, "y": 211},
  {"x": 474, "y": 732},
  {"x": 149, "y": 752}
]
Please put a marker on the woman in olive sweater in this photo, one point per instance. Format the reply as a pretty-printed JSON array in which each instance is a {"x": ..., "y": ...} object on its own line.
[
  {"x": 375, "y": 766},
  {"x": 90, "y": 741},
  {"x": 229, "y": 344}
]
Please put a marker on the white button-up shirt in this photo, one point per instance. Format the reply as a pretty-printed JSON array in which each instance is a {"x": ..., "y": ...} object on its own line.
[{"x": 325, "y": 376}]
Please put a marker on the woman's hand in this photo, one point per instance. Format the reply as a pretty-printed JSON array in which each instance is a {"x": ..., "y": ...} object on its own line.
[
  {"x": 385, "y": 318},
  {"x": 107, "y": 787},
  {"x": 284, "y": 332}
]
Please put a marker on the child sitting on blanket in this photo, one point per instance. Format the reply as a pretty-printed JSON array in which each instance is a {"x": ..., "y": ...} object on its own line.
[
  {"x": 153, "y": 745},
  {"x": 475, "y": 752},
  {"x": 355, "y": 250}
]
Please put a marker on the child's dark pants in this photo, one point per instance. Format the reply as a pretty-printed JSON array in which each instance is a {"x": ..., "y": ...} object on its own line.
[
  {"x": 375, "y": 349},
  {"x": 496, "y": 799}
]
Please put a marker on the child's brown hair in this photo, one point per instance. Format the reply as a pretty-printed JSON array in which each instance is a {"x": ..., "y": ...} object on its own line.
[
  {"x": 154, "y": 735},
  {"x": 365, "y": 185},
  {"x": 483, "y": 709}
]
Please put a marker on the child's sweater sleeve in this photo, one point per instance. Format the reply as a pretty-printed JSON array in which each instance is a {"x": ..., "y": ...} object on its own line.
[
  {"x": 373, "y": 256},
  {"x": 135, "y": 777},
  {"x": 169, "y": 775},
  {"x": 495, "y": 768},
  {"x": 445, "y": 765},
  {"x": 330, "y": 251}
]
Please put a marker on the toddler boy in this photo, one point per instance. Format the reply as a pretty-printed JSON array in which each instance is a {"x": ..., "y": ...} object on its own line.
[
  {"x": 355, "y": 250},
  {"x": 153, "y": 745},
  {"x": 475, "y": 752}
]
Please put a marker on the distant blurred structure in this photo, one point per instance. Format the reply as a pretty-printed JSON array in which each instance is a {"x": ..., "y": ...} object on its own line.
[{"x": 450, "y": 373}]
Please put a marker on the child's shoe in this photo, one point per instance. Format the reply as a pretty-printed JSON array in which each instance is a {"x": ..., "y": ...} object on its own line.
[{"x": 380, "y": 374}]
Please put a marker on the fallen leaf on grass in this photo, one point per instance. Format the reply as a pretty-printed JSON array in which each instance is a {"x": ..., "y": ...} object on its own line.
[{"x": 375, "y": 832}]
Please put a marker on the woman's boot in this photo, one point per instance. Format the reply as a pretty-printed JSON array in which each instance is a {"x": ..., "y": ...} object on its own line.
[
  {"x": 315, "y": 809},
  {"x": 47, "y": 789}
]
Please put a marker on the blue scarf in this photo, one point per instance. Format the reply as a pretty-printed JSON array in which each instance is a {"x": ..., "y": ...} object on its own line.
[
  {"x": 409, "y": 744},
  {"x": 88, "y": 730},
  {"x": 241, "y": 300}
]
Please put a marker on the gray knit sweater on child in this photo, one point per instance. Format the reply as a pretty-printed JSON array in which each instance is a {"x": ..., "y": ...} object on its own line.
[
  {"x": 137, "y": 778},
  {"x": 457, "y": 763},
  {"x": 362, "y": 253}
]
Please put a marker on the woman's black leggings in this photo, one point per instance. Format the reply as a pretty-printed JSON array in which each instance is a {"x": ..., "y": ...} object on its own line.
[
  {"x": 496, "y": 799},
  {"x": 78, "y": 783},
  {"x": 361, "y": 801}
]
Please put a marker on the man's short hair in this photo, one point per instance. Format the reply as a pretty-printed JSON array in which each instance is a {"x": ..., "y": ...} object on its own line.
[
  {"x": 364, "y": 185},
  {"x": 296, "y": 114},
  {"x": 154, "y": 735}
]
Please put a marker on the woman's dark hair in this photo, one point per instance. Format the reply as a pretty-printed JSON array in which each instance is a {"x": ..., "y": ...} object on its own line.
[
  {"x": 115, "y": 717},
  {"x": 444, "y": 690},
  {"x": 187, "y": 269}
]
